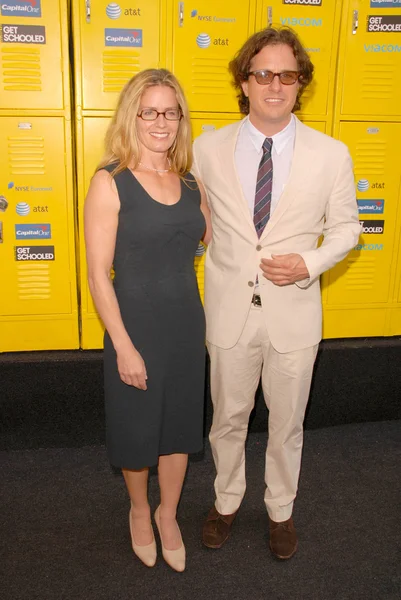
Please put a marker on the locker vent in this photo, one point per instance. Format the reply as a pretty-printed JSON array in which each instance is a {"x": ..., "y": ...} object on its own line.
[
  {"x": 209, "y": 76},
  {"x": 118, "y": 68},
  {"x": 21, "y": 69},
  {"x": 370, "y": 157},
  {"x": 33, "y": 282},
  {"x": 360, "y": 274},
  {"x": 377, "y": 82},
  {"x": 26, "y": 155}
]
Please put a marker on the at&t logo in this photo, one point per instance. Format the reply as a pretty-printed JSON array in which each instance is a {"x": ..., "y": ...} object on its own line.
[
  {"x": 363, "y": 185},
  {"x": 23, "y": 209},
  {"x": 113, "y": 10},
  {"x": 203, "y": 40}
]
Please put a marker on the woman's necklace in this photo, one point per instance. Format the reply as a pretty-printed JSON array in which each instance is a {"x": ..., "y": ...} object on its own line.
[{"x": 157, "y": 170}]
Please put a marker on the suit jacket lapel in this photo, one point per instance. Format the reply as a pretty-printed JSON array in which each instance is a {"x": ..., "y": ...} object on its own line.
[
  {"x": 226, "y": 155},
  {"x": 300, "y": 161}
]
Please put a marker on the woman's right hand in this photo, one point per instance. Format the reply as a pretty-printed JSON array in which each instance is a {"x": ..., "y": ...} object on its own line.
[{"x": 131, "y": 367}]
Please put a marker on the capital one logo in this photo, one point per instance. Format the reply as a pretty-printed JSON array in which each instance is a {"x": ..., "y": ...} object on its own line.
[
  {"x": 123, "y": 37},
  {"x": 21, "y": 8}
]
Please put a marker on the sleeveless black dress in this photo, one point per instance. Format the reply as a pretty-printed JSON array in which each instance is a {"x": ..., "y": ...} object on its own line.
[{"x": 158, "y": 296}]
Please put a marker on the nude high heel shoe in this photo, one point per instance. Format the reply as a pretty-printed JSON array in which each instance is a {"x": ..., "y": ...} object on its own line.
[
  {"x": 147, "y": 554},
  {"x": 174, "y": 558}
]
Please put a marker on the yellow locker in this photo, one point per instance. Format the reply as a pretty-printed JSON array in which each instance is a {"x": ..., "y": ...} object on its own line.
[
  {"x": 370, "y": 59},
  {"x": 209, "y": 122},
  {"x": 205, "y": 37},
  {"x": 90, "y": 133},
  {"x": 395, "y": 316},
  {"x": 358, "y": 289},
  {"x": 321, "y": 126},
  {"x": 34, "y": 54},
  {"x": 201, "y": 123},
  {"x": 395, "y": 312},
  {"x": 112, "y": 42},
  {"x": 317, "y": 23},
  {"x": 38, "y": 310}
]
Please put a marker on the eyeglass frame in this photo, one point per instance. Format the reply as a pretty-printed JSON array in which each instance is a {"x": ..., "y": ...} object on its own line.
[
  {"x": 160, "y": 113},
  {"x": 274, "y": 75}
]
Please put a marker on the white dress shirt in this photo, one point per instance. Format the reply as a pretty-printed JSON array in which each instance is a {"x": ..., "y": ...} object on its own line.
[{"x": 248, "y": 153}]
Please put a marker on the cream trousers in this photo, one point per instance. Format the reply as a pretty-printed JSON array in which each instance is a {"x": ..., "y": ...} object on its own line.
[{"x": 234, "y": 378}]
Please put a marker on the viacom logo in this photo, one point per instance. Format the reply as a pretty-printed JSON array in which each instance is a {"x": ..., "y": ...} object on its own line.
[
  {"x": 371, "y": 247},
  {"x": 123, "y": 37},
  {"x": 292, "y": 22},
  {"x": 384, "y": 24},
  {"x": 308, "y": 2},
  {"x": 22, "y": 34},
  {"x": 36, "y": 253},
  {"x": 33, "y": 232},
  {"x": 21, "y": 8},
  {"x": 370, "y": 227},
  {"x": 382, "y": 48}
]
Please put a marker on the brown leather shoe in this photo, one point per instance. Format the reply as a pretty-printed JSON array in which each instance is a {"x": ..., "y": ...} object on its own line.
[
  {"x": 283, "y": 538},
  {"x": 216, "y": 528}
]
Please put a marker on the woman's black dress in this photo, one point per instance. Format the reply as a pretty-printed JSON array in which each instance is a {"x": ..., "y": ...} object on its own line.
[{"x": 158, "y": 295}]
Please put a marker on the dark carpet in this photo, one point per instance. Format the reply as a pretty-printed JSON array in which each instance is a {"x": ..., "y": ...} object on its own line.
[{"x": 65, "y": 530}]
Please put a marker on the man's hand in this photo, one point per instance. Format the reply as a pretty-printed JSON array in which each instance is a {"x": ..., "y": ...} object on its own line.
[{"x": 284, "y": 269}]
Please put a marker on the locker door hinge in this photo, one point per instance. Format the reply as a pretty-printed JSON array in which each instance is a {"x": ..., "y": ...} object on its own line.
[
  {"x": 88, "y": 10},
  {"x": 180, "y": 14},
  {"x": 269, "y": 16},
  {"x": 355, "y": 21}
]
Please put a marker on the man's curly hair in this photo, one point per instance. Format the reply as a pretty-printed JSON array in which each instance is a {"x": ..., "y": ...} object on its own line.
[{"x": 241, "y": 63}]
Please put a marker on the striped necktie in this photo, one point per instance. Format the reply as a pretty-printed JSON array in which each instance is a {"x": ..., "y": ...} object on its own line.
[{"x": 264, "y": 183}]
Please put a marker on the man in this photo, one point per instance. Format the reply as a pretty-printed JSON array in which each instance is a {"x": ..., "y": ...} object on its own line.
[{"x": 274, "y": 186}]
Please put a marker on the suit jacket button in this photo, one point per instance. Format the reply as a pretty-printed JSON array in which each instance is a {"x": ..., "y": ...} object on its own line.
[
  {"x": 250, "y": 283},
  {"x": 258, "y": 247}
]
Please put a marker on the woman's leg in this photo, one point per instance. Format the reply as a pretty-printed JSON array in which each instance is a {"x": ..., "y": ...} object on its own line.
[
  {"x": 172, "y": 469},
  {"x": 137, "y": 486}
]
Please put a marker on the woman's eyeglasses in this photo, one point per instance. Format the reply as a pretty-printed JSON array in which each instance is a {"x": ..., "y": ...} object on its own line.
[{"x": 151, "y": 114}]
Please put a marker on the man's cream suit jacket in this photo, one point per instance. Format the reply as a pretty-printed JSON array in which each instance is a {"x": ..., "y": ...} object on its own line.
[{"x": 319, "y": 198}]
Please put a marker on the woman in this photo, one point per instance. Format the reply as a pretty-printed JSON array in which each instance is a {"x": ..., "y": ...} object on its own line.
[{"x": 145, "y": 215}]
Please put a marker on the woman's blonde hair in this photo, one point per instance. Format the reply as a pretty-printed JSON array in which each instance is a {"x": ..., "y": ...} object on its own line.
[{"x": 122, "y": 144}]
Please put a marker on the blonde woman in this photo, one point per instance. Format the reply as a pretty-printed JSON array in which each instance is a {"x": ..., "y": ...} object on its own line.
[{"x": 145, "y": 215}]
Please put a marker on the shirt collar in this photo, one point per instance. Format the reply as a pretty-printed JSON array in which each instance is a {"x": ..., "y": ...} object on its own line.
[{"x": 280, "y": 139}]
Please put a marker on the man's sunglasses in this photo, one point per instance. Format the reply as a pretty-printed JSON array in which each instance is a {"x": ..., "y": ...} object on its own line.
[{"x": 264, "y": 77}]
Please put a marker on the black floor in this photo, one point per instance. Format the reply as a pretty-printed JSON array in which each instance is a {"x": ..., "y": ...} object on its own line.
[{"x": 64, "y": 530}]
